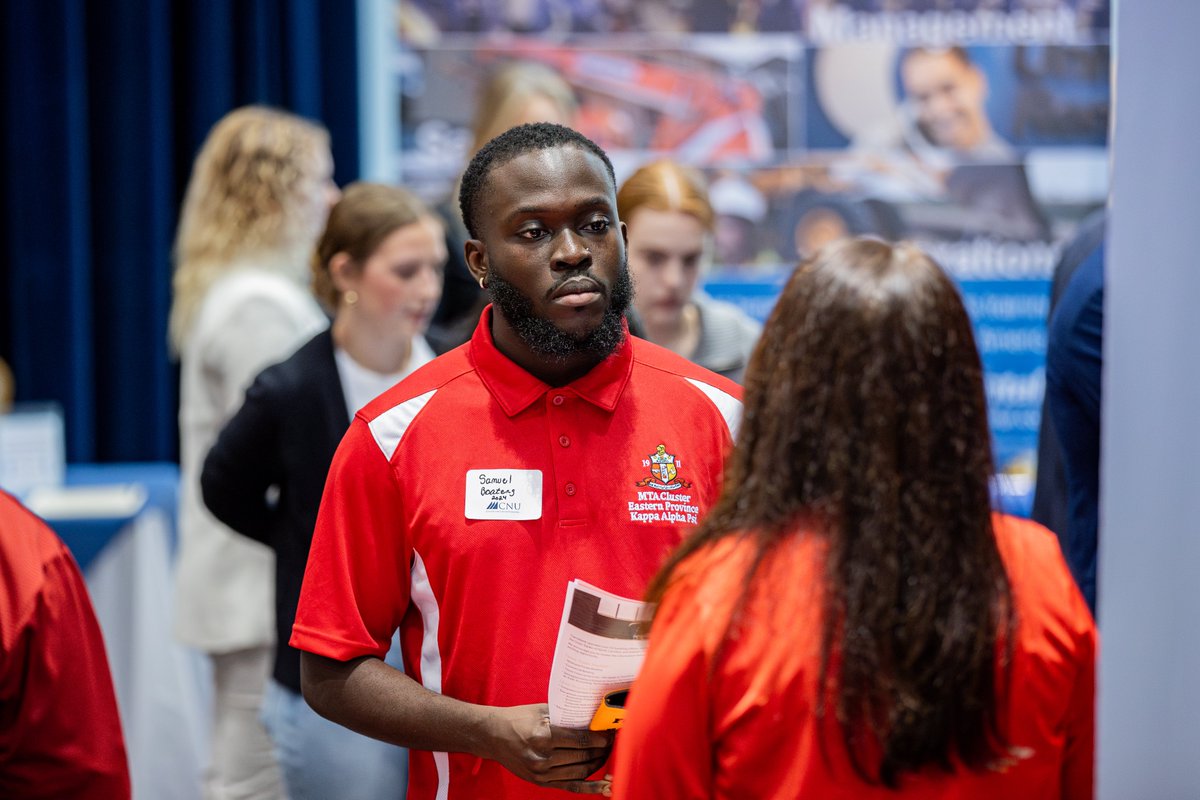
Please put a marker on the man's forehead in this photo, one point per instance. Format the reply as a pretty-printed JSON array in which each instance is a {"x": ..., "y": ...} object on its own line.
[
  {"x": 547, "y": 161},
  {"x": 561, "y": 179}
]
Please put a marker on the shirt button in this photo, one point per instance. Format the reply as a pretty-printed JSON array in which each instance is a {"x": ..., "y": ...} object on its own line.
[
  {"x": 569, "y": 489},
  {"x": 558, "y": 399},
  {"x": 564, "y": 441}
]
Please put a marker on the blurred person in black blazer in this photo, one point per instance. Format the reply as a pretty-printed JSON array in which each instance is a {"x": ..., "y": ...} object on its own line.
[
  {"x": 378, "y": 267},
  {"x": 1050, "y": 492}
]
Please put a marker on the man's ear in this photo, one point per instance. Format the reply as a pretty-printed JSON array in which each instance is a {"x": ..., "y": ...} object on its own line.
[
  {"x": 625, "y": 234},
  {"x": 341, "y": 270},
  {"x": 477, "y": 260}
]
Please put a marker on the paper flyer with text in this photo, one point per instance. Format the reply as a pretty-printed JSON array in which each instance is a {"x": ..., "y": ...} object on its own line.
[{"x": 601, "y": 644}]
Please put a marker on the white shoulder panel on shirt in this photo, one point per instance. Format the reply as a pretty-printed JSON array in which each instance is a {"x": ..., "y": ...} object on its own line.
[
  {"x": 729, "y": 406},
  {"x": 389, "y": 427}
]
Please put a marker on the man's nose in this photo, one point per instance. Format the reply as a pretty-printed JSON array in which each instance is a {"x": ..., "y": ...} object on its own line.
[{"x": 571, "y": 251}]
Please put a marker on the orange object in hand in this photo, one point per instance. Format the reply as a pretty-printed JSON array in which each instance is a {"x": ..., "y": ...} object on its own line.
[{"x": 611, "y": 713}]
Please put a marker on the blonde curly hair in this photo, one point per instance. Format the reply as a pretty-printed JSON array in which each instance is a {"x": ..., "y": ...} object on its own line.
[{"x": 255, "y": 196}]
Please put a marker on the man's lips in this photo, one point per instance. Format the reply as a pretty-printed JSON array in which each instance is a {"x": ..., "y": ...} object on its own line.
[{"x": 577, "y": 292}]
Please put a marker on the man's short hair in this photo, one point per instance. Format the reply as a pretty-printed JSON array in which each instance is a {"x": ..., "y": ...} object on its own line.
[{"x": 512, "y": 143}]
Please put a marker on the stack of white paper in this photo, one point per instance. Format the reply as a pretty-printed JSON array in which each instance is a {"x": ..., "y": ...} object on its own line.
[{"x": 601, "y": 643}]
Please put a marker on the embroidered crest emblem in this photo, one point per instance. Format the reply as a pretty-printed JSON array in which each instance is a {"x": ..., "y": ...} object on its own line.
[{"x": 664, "y": 471}]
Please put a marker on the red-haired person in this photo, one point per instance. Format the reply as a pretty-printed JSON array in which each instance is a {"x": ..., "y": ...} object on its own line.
[{"x": 666, "y": 209}]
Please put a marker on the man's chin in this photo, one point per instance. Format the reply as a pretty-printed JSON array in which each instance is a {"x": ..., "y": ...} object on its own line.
[
  {"x": 578, "y": 323},
  {"x": 563, "y": 332}
]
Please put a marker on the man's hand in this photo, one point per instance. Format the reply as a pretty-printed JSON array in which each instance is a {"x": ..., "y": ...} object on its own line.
[{"x": 522, "y": 740}]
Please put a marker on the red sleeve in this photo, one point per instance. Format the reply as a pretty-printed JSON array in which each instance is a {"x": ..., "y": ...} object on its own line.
[
  {"x": 60, "y": 734},
  {"x": 663, "y": 749},
  {"x": 1079, "y": 747},
  {"x": 356, "y": 584}
]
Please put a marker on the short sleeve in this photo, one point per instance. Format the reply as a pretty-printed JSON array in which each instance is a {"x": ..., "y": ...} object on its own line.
[{"x": 356, "y": 584}]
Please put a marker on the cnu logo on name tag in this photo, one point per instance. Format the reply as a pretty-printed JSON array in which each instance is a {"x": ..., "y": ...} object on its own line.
[{"x": 504, "y": 494}]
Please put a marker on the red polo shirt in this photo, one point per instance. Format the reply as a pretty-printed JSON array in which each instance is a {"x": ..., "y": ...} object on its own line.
[
  {"x": 462, "y": 501},
  {"x": 60, "y": 735},
  {"x": 740, "y": 723}
]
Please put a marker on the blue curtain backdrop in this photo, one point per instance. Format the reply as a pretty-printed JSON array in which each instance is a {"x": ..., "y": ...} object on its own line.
[{"x": 104, "y": 107}]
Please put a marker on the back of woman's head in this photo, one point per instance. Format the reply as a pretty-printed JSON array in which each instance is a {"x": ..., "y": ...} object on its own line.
[
  {"x": 258, "y": 190},
  {"x": 666, "y": 186},
  {"x": 366, "y": 214},
  {"x": 866, "y": 383},
  {"x": 865, "y": 419},
  {"x": 520, "y": 92}
]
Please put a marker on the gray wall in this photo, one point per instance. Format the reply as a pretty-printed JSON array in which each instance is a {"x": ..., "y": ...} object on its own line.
[{"x": 1149, "y": 579}]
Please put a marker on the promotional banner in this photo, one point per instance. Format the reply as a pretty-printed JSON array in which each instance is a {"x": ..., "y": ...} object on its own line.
[{"x": 976, "y": 128}]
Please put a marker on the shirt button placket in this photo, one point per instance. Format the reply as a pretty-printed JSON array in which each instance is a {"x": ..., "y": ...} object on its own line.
[{"x": 566, "y": 464}]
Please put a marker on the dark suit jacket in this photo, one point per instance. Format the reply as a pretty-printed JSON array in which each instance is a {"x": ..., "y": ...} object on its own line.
[
  {"x": 1050, "y": 492},
  {"x": 281, "y": 440}
]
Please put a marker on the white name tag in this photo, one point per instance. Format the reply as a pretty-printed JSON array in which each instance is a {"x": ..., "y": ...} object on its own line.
[{"x": 504, "y": 494}]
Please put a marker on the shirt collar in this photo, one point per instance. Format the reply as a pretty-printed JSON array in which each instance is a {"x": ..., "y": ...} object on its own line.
[{"x": 516, "y": 390}]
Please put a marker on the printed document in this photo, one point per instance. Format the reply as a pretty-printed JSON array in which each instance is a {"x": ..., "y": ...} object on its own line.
[{"x": 601, "y": 643}]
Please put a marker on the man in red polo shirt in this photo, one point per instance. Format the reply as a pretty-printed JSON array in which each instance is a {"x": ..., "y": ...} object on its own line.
[{"x": 461, "y": 503}]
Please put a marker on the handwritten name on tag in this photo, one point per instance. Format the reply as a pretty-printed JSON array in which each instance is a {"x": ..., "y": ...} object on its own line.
[{"x": 504, "y": 494}]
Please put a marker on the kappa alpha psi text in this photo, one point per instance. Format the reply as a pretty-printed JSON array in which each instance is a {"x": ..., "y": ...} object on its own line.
[{"x": 657, "y": 498}]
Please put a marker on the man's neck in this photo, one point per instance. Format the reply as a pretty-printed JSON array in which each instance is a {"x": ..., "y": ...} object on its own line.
[{"x": 553, "y": 370}]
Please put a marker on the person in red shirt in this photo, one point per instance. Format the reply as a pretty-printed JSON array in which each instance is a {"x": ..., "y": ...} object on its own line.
[
  {"x": 60, "y": 735},
  {"x": 852, "y": 620},
  {"x": 462, "y": 502}
]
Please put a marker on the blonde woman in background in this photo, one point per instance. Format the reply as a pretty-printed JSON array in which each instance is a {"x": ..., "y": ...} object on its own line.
[
  {"x": 666, "y": 210},
  {"x": 521, "y": 92},
  {"x": 517, "y": 93},
  {"x": 259, "y": 195}
]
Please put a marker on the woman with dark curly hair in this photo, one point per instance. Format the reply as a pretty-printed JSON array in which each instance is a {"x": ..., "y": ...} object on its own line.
[{"x": 852, "y": 619}]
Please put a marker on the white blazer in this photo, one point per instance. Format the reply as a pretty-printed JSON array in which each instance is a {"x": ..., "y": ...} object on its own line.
[{"x": 249, "y": 319}]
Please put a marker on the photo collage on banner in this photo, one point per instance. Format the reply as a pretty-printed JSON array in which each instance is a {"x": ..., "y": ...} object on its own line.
[{"x": 976, "y": 128}]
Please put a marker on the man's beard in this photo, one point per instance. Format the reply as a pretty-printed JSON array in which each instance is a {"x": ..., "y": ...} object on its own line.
[{"x": 544, "y": 338}]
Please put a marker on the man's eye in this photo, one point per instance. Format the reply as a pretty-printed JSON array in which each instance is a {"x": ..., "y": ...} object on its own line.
[
  {"x": 532, "y": 233},
  {"x": 597, "y": 226}
]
